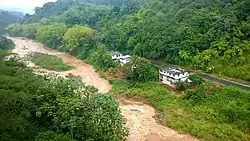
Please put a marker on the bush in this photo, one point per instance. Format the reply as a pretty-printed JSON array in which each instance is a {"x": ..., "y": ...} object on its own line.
[
  {"x": 195, "y": 78},
  {"x": 52, "y": 136},
  {"x": 100, "y": 58},
  {"x": 180, "y": 86},
  {"x": 37, "y": 108},
  {"x": 5, "y": 43},
  {"x": 140, "y": 70},
  {"x": 207, "y": 111},
  {"x": 196, "y": 95},
  {"x": 49, "y": 62}
]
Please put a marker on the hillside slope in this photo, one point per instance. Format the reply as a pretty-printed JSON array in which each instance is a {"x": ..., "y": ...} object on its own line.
[
  {"x": 7, "y": 18},
  {"x": 209, "y": 35}
]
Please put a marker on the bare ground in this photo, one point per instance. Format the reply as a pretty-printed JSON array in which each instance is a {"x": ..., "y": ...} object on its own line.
[{"x": 139, "y": 117}]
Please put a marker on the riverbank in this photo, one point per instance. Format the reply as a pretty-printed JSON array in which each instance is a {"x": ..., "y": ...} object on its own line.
[{"x": 139, "y": 117}]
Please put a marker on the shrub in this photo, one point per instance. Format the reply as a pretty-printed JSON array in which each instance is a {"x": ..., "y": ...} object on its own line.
[
  {"x": 100, "y": 58},
  {"x": 140, "y": 70},
  {"x": 49, "y": 62},
  {"x": 195, "y": 78},
  {"x": 180, "y": 86}
]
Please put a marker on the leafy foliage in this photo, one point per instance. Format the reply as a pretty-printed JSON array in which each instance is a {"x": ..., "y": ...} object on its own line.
[
  {"x": 79, "y": 40},
  {"x": 51, "y": 35},
  {"x": 140, "y": 69},
  {"x": 180, "y": 86},
  {"x": 195, "y": 78},
  {"x": 49, "y": 62},
  {"x": 50, "y": 108},
  {"x": 5, "y": 43},
  {"x": 208, "y": 112},
  {"x": 100, "y": 58},
  {"x": 52, "y": 136}
]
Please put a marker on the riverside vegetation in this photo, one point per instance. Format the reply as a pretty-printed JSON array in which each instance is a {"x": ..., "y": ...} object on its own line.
[
  {"x": 49, "y": 62},
  {"x": 43, "y": 108},
  {"x": 209, "y": 35}
]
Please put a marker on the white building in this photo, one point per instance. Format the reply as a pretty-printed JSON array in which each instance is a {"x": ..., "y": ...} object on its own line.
[
  {"x": 170, "y": 75},
  {"x": 115, "y": 55},
  {"x": 125, "y": 59}
]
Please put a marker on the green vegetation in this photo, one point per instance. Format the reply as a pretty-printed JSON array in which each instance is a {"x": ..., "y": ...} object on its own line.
[
  {"x": 140, "y": 70},
  {"x": 79, "y": 41},
  {"x": 7, "y": 18},
  {"x": 181, "y": 86},
  {"x": 5, "y": 43},
  {"x": 211, "y": 35},
  {"x": 100, "y": 58},
  {"x": 49, "y": 62},
  {"x": 199, "y": 34},
  {"x": 41, "y": 109},
  {"x": 51, "y": 35},
  {"x": 207, "y": 112},
  {"x": 195, "y": 78}
]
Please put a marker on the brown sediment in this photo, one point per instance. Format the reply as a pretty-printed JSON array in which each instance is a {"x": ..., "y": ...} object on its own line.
[{"x": 139, "y": 117}]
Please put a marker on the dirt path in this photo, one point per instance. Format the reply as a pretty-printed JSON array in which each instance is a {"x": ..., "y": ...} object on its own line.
[{"x": 139, "y": 117}]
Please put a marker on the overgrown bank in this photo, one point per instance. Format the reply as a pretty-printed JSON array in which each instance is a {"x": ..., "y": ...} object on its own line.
[
  {"x": 5, "y": 44},
  {"x": 43, "y": 108},
  {"x": 208, "y": 35},
  {"x": 208, "y": 112},
  {"x": 49, "y": 62}
]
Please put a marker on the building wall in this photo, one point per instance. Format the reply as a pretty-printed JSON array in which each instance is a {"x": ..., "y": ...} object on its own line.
[
  {"x": 170, "y": 80},
  {"x": 116, "y": 57}
]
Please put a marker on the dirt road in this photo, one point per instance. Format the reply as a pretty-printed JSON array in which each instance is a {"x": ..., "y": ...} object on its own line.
[{"x": 139, "y": 117}]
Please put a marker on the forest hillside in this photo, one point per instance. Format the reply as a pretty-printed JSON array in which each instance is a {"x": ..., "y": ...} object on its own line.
[
  {"x": 7, "y": 18},
  {"x": 211, "y": 35}
]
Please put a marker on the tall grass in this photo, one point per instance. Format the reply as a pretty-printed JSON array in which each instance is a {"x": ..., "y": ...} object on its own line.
[
  {"x": 207, "y": 112},
  {"x": 49, "y": 62}
]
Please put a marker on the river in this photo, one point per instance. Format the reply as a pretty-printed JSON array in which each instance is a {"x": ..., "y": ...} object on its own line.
[{"x": 139, "y": 117}]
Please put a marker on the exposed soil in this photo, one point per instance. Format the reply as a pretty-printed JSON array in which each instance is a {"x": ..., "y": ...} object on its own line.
[
  {"x": 139, "y": 117},
  {"x": 79, "y": 68}
]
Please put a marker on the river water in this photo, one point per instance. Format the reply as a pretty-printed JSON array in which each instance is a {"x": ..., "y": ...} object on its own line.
[{"x": 139, "y": 117}]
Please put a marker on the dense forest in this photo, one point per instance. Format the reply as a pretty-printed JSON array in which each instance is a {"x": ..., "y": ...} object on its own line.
[
  {"x": 211, "y": 35},
  {"x": 7, "y": 18},
  {"x": 36, "y": 108}
]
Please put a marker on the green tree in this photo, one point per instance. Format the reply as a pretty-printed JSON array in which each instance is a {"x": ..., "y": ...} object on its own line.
[
  {"x": 140, "y": 70},
  {"x": 79, "y": 40},
  {"x": 71, "y": 17},
  {"x": 51, "y": 35},
  {"x": 180, "y": 86},
  {"x": 15, "y": 30},
  {"x": 5, "y": 43},
  {"x": 100, "y": 58},
  {"x": 50, "y": 108},
  {"x": 30, "y": 30},
  {"x": 195, "y": 78},
  {"x": 52, "y": 136}
]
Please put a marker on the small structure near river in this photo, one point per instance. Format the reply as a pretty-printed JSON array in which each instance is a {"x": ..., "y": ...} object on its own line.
[
  {"x": 123, "y": 59},
  {"x": 171, "y": 75}
]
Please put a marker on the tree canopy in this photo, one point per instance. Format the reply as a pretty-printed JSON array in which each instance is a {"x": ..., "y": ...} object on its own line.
[
  {"x": 37, "y": 108},
  {"x": 140, "y": 70}
]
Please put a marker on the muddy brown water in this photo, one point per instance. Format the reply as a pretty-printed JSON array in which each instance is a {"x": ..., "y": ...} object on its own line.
[{"x": 139, "y": 117}]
